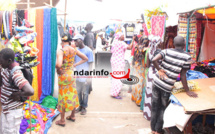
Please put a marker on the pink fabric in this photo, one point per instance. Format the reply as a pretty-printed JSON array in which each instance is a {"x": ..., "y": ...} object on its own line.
[
  {"x": 145, "y": 29},
  {"x": 133, "y": 48},
  {"x": 119, "y": 34},
  {"x": 158, "y": 25},
  {"x": 208, "y": 47},
  {"x": 117, "y": 64}
]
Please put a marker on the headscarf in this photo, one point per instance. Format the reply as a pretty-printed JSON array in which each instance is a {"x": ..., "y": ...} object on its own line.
[
  {"x": 118, "y": 35},
  {"x": 154, "y": 42}
]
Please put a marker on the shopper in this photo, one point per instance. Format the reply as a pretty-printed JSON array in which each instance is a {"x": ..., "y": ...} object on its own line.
[
  {"x": 68, "y": 97},
  {"x": 118, "y": 62},
  {"x": 12, "y": 107},
  {"x": 83, "y": 84},
  {"x": 174, "y": 62},
  {"x": 89, "y": 38}
]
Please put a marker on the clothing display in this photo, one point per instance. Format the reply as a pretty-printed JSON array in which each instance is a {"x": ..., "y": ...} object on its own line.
[
  {"x": 158, "y": 26},
  {"x": 129, "y": 30}
]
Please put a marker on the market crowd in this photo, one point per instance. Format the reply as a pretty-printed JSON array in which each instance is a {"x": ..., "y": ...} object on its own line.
[{"x": 156, "y": 69}]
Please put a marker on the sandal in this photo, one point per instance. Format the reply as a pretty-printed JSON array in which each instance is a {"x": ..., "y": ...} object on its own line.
[
  {"x": 57, "y": 123},
  {"x": 70, "y": 119}
]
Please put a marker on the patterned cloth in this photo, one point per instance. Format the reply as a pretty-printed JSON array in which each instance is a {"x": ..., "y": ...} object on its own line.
[
  {"x": 68, "y": 97},
  {"x": 149, "y": 77},
  {"x": 158, "y": 26},
  {"x": 117, "y": 64},
  {"x": 139, "y": 56}
]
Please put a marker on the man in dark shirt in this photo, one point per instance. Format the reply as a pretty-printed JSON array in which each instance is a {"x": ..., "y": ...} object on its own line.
[{"x": 89, "y": 38}]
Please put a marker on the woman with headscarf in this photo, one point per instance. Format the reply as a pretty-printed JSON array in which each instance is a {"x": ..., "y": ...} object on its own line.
[
  {"x": 154, "y": 49},
  {"x": 138, "y": 65},
  {"x": 68, "y": 97},
  {"x": 118, "y": 62}
]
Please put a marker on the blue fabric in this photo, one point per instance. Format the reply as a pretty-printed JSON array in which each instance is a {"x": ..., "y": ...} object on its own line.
[
  {"x": 46, "y": 62},
  {"x": 49, "y": 122},
  {"x": 85, "y": 66},
  {"x": 7, "y": 23},
  {"x": 192, "y": 75},
  {"x": 211, "y": 64}
]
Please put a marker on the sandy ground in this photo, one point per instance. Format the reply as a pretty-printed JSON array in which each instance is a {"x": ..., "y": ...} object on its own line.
[{"x": 106, "y": 115}]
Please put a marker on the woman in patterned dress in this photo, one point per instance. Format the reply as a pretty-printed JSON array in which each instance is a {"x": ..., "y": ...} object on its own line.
[
  {"x": 68, "y": 97},
  {"x": 118, "y": 62},
  {"x": 138, "y": 64}
]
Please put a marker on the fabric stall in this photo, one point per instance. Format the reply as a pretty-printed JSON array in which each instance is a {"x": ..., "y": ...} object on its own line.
[{"x": 33, "y": 35}]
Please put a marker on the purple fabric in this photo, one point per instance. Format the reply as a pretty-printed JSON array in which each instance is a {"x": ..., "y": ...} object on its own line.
[{"x": 23, "y": 126}]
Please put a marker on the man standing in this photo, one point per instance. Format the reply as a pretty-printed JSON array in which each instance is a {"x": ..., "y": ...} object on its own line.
[
  {"x": 11, "y": 115},
  {"x": 174, "y": 62},
  {"x": 83, "y": 84},
  {"x": 89, "y": 38}
]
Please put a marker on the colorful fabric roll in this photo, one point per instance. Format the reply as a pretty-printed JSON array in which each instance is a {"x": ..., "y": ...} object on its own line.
[
  {"x": 54, "y": 41},
  {"x": 32, "y": 20},
  {"x": 47, "y": 64},
  {"x": 39, "y": 39}
]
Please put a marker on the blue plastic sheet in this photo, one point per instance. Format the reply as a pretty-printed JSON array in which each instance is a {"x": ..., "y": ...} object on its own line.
[
  {"x": 192, "y": 75},
  {"x": 174, "y": 100},
  {"x": 47, "y": 62}
]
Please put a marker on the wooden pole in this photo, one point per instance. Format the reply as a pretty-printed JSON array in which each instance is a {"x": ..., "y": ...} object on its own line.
[
  {"x": 51, "y": 2},
  {"x": 28, "y": 5},
  {"x": 65, "y": 16}
]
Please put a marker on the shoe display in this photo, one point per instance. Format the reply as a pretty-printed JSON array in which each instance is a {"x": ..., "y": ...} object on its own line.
[
  {"x": 23, "y": 29},
  {"x": 19, "y": 35},
  {"x": 27, "y": 49},
  {"x": 27, "y": 38}
]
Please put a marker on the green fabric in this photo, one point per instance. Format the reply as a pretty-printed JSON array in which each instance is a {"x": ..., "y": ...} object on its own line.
[
  {"x": 54, "y": 41},
  {"x": 49, "y": 102}
]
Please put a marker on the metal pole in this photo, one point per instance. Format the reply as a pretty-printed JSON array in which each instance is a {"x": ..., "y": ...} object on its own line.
[{"x": 65, "y": 15}]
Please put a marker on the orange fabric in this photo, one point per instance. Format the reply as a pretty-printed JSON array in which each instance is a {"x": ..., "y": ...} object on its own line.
[
  {"x": 39, "y": 39},
  {"x": 209, "y": 12}
]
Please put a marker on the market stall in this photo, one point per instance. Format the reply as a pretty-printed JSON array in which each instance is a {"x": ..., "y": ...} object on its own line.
[{"x": 199, "y": 23}]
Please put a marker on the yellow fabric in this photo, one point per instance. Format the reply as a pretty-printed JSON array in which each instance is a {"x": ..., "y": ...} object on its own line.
[
  {"x": 32, "y": 20},
  {"x": 192, "y": 85}
]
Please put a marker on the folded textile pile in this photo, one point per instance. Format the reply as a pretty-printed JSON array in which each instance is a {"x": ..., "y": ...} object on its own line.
[
  {"x": 40, "y": 115},
  {"x": 178, "y": 87}
]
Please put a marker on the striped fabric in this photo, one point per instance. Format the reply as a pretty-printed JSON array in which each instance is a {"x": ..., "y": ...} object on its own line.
[
  {"x": 173, "y": 62},
  {"x": 6, "y": 90}
]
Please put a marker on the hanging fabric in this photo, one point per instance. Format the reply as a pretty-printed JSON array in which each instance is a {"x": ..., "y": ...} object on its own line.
[
  {"x": 46, "y": 70},
  {"x": 208, "y": 47},
  {"x": 32, "y": 20},
  {"x": 21, "y": 16},
  {"x": 192, "y": 38},
  {"x": 158, "y": 26},
  {"x": 54, "y": 43},
  {"x": 39, "y": 30}
]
